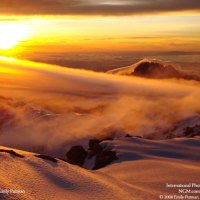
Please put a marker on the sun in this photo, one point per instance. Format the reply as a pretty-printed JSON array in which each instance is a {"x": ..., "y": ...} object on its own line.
[{"x": 12, "y": 34}]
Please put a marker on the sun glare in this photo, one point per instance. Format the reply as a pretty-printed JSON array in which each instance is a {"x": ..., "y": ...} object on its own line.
[{"x": 12, "y": 34}]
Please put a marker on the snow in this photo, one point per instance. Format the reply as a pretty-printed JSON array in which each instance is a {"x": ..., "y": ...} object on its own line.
[
  {"x": 143, "y": 169},
  {"x": 153, "y": 68},
  {"x": 149, "y": 165},
  {"x": 188, "y": 122},
  {"x": 42, "y": 179},
  {"x": 129, "y": 70}
]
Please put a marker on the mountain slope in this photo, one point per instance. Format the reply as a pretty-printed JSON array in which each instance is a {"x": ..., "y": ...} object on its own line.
[
  {"x": 141, "y": 172},
  {"x": 41, "y": 179},
  {"x": 149, "y": 165},
  {"x": 153, "y": 68}
]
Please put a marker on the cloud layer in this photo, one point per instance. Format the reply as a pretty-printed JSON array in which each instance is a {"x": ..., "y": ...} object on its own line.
[
  {"x": 46, "y": 109},
  {"x": 95, "y": 7}
]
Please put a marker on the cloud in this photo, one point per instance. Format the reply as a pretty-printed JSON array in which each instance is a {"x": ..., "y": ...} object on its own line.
[
  {"x": 95, "y": 7},
  {"x": 47, "y": 108}
]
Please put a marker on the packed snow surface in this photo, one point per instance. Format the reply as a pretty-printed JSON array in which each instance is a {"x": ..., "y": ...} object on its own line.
[{"x": 142, "y": 171}]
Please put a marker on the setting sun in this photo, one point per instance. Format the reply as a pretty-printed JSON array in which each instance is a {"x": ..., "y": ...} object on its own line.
[{"x": 12, "y": 34}]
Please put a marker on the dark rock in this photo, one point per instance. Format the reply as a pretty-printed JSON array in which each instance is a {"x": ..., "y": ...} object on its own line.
[
  {"x": 129, "y": 136},
  {"x": 152, "y": 68},
  {"x": 149, "y": 137},
  {"x": 192, "y": 131},
  {"x": 138, "y": 136},
  {"x": 104, "y": 158},
  {"x": 76, "y": 155},
  {"x": 106, "y": 138},
  {"x": 188, "y": 131},
  {"x": 147, "y": 68},
  {"x": 94, "y": 145},
  {"x": 12, "y": 153},
  {"x": 45, "y": 157},
  {"x": 155, "y": 69}
]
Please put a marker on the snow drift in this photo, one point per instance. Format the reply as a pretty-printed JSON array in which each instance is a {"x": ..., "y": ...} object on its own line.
[{"x": 142, "y": 171}]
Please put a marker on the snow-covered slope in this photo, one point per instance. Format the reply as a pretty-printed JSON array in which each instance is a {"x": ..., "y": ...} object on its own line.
[
  {"x": 34, "y": 178},
  {"x": 143, "y": 169},
  {"x": 147, "y": 166},
  {"x": 153, "y": 68}
]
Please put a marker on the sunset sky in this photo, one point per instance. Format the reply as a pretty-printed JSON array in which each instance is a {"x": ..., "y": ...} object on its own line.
[{"x": 98, "y": 25}]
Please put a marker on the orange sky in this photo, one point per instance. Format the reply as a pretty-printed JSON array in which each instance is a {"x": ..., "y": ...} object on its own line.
[{"x": 164, "y": 32}]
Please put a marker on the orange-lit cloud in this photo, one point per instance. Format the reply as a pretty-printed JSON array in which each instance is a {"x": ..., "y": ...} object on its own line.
[{"x": 95, "y": 7}]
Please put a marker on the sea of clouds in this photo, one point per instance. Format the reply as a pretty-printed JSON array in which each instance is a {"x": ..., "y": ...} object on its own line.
[{"x": 47, "y": 109}]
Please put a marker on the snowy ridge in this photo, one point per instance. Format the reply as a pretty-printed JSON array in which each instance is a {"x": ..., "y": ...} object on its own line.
[
  {"x": 130, "y": 177},
  {"x": 153, "y": 68},
  {"x": 44, "y": 179}
]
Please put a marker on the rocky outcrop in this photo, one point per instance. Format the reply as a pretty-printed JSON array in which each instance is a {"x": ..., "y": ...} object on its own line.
[
  {"x": 192, "y": 131},
  {"x": 45, "y": 157},
  {"x": 11, "y": 152},
  {"x": 76, "y": 155},
  {"x": 102, "y": 156},
  {"x": 155, "y": 69}
]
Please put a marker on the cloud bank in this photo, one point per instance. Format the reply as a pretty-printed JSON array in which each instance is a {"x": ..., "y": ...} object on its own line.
[
  {"x": 46, "y": 109},
  {"x": 95, "y": 7}
]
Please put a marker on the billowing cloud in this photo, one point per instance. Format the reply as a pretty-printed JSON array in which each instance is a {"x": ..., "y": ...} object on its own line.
[
  {"x": 95, "y": 7},
  {"x": 46, "y": 109}
]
